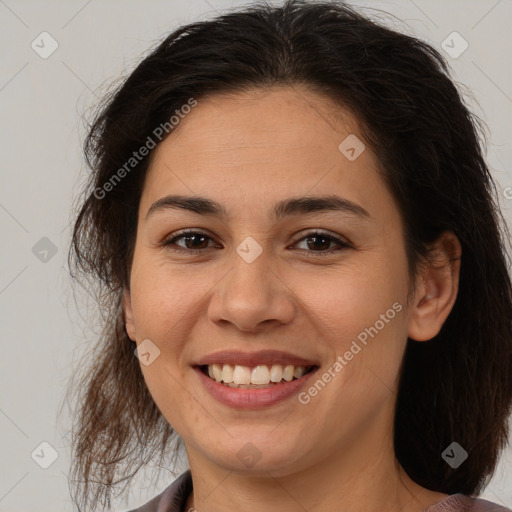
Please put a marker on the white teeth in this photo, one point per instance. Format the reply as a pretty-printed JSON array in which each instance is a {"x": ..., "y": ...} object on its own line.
[
  {"x": 217, "y": 372},
  {"x": 288, "y": 372},
  {"x": 276, "y": 373},
  {"x": 227, "y": 373},
  {"x": 242, "y": 375},
  {"x": 299, "y": 371},
  {"x": 261, "y": 375}
]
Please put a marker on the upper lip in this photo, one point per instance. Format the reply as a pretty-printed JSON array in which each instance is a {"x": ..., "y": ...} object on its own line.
[{"x": 270, "y": 357}]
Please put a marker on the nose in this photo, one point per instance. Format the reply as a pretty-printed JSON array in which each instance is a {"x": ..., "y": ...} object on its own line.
[{"x": 251, "y": 296}]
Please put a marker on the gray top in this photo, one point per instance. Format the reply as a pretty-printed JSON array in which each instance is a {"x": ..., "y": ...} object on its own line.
[{"x": 174, "y": 498}]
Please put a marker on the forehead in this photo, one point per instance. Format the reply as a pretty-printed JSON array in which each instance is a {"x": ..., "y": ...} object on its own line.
[
  {"x": 261, "y": 144},
  {"x": 272, "y": 116}
]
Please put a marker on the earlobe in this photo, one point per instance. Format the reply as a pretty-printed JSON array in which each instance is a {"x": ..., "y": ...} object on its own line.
[
  {"x": 436, "y": 295},
  {"x": 128, "y": 315}
]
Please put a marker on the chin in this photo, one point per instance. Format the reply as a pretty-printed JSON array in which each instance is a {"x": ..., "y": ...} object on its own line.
[{"x": 253, "y": 458}]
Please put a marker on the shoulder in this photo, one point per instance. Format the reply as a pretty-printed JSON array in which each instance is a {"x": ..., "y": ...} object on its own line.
[
  {"x": 172, "y": 498},
  {"x": 463, "y": 503}
]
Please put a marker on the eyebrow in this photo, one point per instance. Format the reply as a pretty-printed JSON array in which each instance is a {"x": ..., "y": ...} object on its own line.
[{"x": 295, "y": 206}]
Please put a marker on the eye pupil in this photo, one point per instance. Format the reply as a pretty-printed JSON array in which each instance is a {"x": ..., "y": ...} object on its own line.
[
  {"x": 194, "y": 236},
  {"x": 325, "y": 241}
]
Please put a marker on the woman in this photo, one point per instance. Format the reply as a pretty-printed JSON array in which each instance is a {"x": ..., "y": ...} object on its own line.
[{"x": 303, "y": 272}]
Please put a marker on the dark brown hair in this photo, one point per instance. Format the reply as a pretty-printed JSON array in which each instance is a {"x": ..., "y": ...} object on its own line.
[{"x": 455, "y": 387}]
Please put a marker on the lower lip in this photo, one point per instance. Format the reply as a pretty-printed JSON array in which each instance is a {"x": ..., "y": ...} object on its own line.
[{"x": 246, "y": 398}]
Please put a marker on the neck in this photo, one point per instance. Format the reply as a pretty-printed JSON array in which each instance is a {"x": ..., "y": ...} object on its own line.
[{"x": 363, "y": 475}]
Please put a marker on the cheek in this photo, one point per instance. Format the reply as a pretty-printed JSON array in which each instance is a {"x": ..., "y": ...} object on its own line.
[
  {"x": 365, "y": 332},
  {"x": 346, "y": 301},
  {"x": 360, "y": 314},
  {"x": 163, "y": 297}
]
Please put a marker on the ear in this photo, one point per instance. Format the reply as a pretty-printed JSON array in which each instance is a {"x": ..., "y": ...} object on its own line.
[
  {"x": 128, "y": 315},
  {"x": 436, "y": 289}
]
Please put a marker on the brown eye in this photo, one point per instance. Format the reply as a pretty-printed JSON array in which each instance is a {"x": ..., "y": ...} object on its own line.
[
  {"x": 193, "y": 241},
  {"x": 319, "y": 242}
]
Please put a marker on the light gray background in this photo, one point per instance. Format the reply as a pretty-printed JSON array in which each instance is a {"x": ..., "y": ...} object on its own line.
[{"x": 42, "y": 102}]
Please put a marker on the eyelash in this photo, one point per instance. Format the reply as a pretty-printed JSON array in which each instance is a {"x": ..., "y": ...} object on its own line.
[{"x": 342, "y": 244}]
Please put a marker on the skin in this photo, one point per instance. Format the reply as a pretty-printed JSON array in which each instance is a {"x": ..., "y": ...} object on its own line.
[{"x": 247, "y": 151}]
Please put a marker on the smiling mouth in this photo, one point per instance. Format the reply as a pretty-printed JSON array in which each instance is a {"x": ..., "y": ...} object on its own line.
[{"x": 257, "y": 377}]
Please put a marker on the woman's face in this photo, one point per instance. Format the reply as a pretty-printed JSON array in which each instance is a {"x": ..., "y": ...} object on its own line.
[{"x": 270, "y": 288}]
